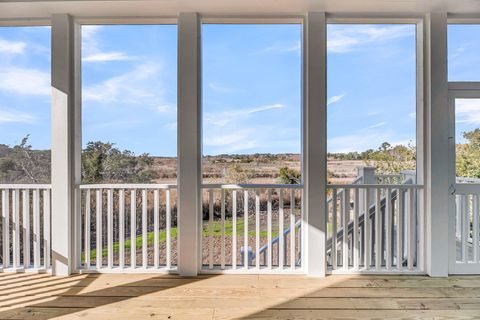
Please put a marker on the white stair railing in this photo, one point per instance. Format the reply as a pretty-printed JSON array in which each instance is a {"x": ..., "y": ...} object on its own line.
[
  {"x": 25, "y": 227},
  {"x": 258, "y": 217},
  {"x": 383, "y": 239},
  {"x": 128, "y": 227}
]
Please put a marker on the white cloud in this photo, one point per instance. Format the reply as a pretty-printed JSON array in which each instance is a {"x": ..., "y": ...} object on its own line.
[
  {"x": 283, "y": 48},
  {"x": 232, "y": 142},
  {"x": 165, "y": 109},
  {"x": 412, "y": 115},
  {"x": 9, "y": 116},
  {"x": 334, "y": 99},
  {"x": 223, "y": 118},
  {"x": 106, "y": 57},
  {"x": 467, "y": 111},
  {"x": 91, "y": 49},
  {"x": 134, "y": 86},
  {"x": 377, "y": 125},
  {"x": 343, "y": 39},
  {"x": 25, "y": 81},
  {"x": 218, "y": 88},
  {"x": 12, "y": 47},
  {"x": 363, "y": 140}
]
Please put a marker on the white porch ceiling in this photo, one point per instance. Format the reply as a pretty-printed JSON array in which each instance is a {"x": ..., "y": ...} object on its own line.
[{"x": 22, "y": 9}]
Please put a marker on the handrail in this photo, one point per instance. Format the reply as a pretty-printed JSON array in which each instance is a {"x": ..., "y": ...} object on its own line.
[
  {"x": 128, "y": 186},
  {"x": 251, "y": 186},
  {"x": 277, "y": 238},
  {"x": 25, "y": 186}
]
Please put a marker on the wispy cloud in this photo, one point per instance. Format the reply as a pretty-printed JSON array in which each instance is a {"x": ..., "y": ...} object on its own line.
[
  {"x": 226, "y": 117},
  {"x": 219, "y": 88},
  {"x": 25, "y": 81},
  {"x": 107, "y": 57},
  {"x": 165, "y": 109},
  {"x": 133, "y": 86},
  {"x": 92, "y": 51},
  {"x": 12, "y": 47},
  {"x": 10, "y": 116},
  {"x": 334, "y": 99},
  {"x": 342, "y": 39},
  {"x": 283, "y": 48},
  {"x": 377, "y": 125},
  {"x": 363, "y": 140},
  {"x": 467, "y": 111}
]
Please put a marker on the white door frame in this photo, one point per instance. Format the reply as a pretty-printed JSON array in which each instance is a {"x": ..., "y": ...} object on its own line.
[{"x": 458, "y": 90}]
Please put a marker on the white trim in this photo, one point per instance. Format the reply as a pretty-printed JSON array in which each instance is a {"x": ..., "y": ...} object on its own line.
[{"x": 127, "y": 20}]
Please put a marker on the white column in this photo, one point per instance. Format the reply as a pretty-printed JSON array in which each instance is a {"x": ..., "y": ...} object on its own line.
[
  {"x": 189, "y": 143},
  {"x": 315, "y": 143},
  {"x": 65, "y": 141},
  {"x": 436, "y": 131}
]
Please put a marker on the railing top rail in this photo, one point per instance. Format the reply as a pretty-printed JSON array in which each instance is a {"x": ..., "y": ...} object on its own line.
[
  {"x": 466, "y": 189},
  {"x": 25, "y": 186},
  {"x": 375, "y": 186},
  {"x": 128, "y": 186},
  {"x": 251, "y": 186},
  {"x": 388, "y": 175}
]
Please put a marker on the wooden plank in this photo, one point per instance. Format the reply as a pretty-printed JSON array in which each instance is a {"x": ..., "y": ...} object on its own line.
[
  {"x": 99, "y": 228},
  {"x": 110, "y": 228},
  {"x": 36, "y": 229},
  {"x": 16, "y": 228},
  {"x": 121, "y": 227},
  {"x": 292, "y": 229},
  {"x": 269, "y": 228},
  {"x": 46, "y": 228},
  {"x": 133, "y": 228},
  {"x": 257, "y": 229},
  {"x": 281, "y": 238},
  {"x": 245, "y": 229},
  {"x": 156, "y": 238},
  {"x": 210, "y": 229},
  {"x": 234, "y": 229},
  {"x": 144, "y": 229},
  {"x": 26, "y": 228},
  {"x": 222, "y": 218},
  {"x": 168, "y": 222},
  {"x": 6, "y": 228},
  {"x": 356, "y": 250},
  {"x": 87, "y": 228}
]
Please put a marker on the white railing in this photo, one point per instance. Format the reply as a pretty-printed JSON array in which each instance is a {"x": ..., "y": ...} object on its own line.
[
  {"x": 128, "y": 227},
  {"x": 251, "y": 228},
  {"x": 467, "y": 205},
  {"x": 385, "y": 239},
  {"x": 389, "y": 178},
  {"x": 25, "y": 227}
]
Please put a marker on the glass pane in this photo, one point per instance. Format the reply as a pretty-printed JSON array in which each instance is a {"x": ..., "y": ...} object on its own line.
[
  {"x": 467, "y": 140},
  {"x": 371, "y": 101},
  {"x": 464, "y": 52},
  {"x": 252, "y": 77},
  {"x": 25, "y": 99},
  {"x": 129, "y": 75}
]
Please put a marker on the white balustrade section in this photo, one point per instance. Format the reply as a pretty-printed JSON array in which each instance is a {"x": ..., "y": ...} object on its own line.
[
  {"x": 467, "y": 229},
  {"x": 251, "y": 228},
  {"x": 25, "y": 238},
  {"x": 128, "y": 227},
  {"x": 373, "y": 228}
]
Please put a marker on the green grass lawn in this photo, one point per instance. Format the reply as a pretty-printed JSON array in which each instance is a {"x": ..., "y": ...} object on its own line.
[{"x": 217, "y": 232}]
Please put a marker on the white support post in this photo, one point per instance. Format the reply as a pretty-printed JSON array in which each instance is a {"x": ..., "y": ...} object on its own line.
[
  {"x": 315, "y": 144},
  {"x": 65, "y": 142},
  {"x": 436, "y": 165},
  {"x": 189, "y": 143}
]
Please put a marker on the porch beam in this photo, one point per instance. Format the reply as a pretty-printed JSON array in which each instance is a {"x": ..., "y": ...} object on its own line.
[
  {"x": 65, "y": 143},
  {"x": 189, "y": 143},
  {"x": 436, "y": 163},
  {"x": 315, "y": 143}
]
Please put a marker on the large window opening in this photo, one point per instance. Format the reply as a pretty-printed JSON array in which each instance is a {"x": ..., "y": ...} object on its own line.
[
  {"x": 25, "y": 103},
  {"x": 129, "y": 136},
  {"x": 371, "y": 100},
  {"x": 252, "y": 100}
]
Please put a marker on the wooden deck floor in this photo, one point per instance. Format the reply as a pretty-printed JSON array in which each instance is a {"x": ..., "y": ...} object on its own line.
[{"x": 136, "y": 296}]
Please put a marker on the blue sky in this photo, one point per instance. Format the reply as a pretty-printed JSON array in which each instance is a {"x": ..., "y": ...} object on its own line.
[{"x": 251, "y": 86}]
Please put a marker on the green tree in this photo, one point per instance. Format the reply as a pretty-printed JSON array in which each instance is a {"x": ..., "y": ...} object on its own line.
[
  {"x": 289, "y": 176},
  {"x": 102, "y": 162},
  {"x": 468, "y": 155}
]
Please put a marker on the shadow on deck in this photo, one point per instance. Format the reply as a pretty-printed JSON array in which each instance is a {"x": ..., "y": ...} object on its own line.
[{"x": 153, "y": 296}]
